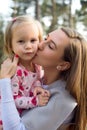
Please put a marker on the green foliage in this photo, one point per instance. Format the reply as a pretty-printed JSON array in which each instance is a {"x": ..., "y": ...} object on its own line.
[
  {"x": 82, "y": 14},
  {"x": 20, "y": 7}
]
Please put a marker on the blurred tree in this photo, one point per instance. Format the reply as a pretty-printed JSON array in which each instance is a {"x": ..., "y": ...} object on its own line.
[
  {"x": 20, "y": 7},
  {"x": 37, "y": 9},
  {"x": 82, "y": 13},
  {"x": 54, "y": 15},
  {"x": 59, "y": 13}
]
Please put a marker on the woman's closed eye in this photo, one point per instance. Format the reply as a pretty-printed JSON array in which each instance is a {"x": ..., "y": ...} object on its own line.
[{"x": 51, "y": 45}]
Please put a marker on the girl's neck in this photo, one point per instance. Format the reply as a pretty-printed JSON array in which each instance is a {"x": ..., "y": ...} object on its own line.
[
  {"x": 50, "y": 75},
  {"x": 28, "y": 65}
]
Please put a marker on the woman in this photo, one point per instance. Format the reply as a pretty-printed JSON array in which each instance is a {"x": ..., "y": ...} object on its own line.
[{"x": 63, "y": 56}]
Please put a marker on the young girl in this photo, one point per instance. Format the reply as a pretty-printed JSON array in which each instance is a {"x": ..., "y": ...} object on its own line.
[{"x": 22, "y": 37}]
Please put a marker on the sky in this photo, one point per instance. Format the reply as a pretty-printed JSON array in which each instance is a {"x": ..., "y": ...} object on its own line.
[{"x": 4, "y": 7}]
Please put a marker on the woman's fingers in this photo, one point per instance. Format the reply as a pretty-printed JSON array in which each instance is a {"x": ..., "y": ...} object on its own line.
[
  {"x": 6, "y": 61},
  {"x": 8, "y": 67},
  {"x": 15, "y": 59}
]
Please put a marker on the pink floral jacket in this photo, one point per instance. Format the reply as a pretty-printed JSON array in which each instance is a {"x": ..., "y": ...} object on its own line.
[{"x": 23, "y": 84}]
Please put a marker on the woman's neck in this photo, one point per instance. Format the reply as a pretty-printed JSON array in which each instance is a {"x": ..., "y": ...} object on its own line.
[{"x": 50, "y": 75}]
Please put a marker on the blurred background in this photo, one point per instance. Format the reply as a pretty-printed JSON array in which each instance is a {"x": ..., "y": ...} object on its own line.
[{"x": 51, "y": 13}]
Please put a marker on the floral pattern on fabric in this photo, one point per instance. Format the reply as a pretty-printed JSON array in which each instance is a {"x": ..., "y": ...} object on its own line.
[{"x": 23, "y": 84}]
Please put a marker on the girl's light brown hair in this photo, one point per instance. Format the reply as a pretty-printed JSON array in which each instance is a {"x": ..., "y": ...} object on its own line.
[
  {"x": 76, "y": 76},
  {"x": 14, "y": 23}
]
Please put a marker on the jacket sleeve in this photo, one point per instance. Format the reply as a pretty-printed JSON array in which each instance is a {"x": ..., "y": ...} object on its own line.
[{"x": 10, "y": 116}]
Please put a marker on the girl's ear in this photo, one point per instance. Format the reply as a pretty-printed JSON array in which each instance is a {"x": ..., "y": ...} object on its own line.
[{"x": 64, "y": 66}]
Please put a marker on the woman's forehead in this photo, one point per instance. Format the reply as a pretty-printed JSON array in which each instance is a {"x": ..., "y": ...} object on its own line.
[
  {"x": 54, "y": 36},
  {"x": 58, "y": 36}
]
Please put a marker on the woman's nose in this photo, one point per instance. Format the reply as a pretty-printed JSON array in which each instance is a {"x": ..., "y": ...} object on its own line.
[{"x": 41, "y": 45}]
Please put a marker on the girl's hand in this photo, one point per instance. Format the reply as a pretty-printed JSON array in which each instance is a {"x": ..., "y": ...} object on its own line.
[
  {"x": 42, "y": 94},
  {"x": 40, "y": 90},
  {"x": 8, "y": 67},
  {"x": 42, "y": 100}
]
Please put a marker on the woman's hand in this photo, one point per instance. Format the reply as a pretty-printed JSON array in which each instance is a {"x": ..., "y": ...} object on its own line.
[{"x": 8, "y": 67}]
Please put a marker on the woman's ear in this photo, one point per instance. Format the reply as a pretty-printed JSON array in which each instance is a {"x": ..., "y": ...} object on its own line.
[{"x": 64, "y": 66}]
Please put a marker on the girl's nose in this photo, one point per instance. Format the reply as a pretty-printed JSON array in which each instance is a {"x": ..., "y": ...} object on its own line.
[
  {"x": 41, "y": 45},
  {"x": 28, "y": 45}
]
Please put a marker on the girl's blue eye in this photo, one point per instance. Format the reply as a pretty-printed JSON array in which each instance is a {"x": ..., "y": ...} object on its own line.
[
  {"x": 33, "y": 40},
  {"x": 21, "y": 41}
]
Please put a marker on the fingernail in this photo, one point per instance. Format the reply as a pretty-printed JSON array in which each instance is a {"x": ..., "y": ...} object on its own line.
[{"x": 16, "y": 56}]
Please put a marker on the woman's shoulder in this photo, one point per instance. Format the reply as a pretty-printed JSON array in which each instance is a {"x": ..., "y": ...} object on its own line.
[{"x": 61, "y": 97}]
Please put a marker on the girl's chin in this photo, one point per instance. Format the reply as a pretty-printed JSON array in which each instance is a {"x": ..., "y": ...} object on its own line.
[
  {"x": 35, "y": 58},
  {"x": 36, "y": 62}
]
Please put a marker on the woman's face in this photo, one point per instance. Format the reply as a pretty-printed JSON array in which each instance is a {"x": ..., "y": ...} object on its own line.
[{"x": 51, "y": 50}]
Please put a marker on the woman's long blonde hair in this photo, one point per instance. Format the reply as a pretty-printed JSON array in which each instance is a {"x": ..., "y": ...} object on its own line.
[{"x": 76, "y": 76}]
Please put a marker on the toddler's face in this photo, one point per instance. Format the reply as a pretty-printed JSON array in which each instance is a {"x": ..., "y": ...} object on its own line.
[{"x": 25, "y": 40}]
